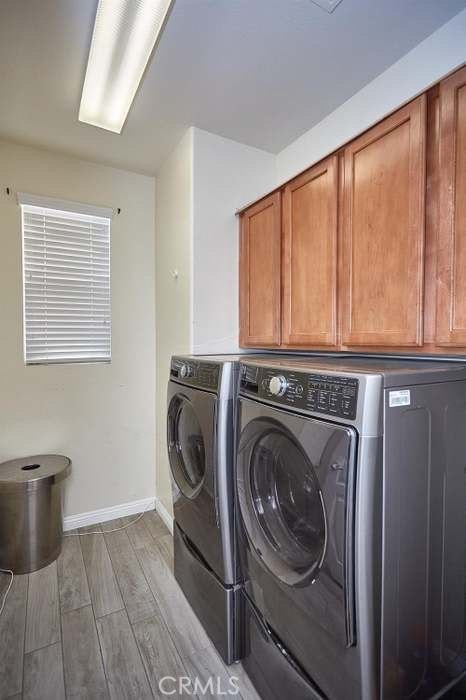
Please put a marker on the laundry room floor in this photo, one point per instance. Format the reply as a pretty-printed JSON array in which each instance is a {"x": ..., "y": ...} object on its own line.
[{"x": 106, "y": 620}]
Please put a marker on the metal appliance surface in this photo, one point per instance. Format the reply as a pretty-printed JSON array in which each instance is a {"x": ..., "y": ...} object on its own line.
[
  {"x": 31, "y": 523},
  {"x": 351, "y": 489},
  {"x": 201, "y": 437}
]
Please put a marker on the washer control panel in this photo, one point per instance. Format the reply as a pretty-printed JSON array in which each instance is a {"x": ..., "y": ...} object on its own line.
[
  {"x": 204, "y": 375},
  {"x": 333, "y": 395}
]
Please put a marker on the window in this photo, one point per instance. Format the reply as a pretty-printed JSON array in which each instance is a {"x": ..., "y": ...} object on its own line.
[{"x": 66, "y": 282}]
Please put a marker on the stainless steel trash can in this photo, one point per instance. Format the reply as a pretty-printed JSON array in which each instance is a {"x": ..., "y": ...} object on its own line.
[{"x": 31, "y": 527}]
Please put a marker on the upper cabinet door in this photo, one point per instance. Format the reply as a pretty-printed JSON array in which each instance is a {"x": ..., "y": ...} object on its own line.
[
  {"x": 260, "y": 273},
  {"x": 310, "y": 230},
  {"x": 383, "y": 239},
  {"x": 451, "y": 262}
]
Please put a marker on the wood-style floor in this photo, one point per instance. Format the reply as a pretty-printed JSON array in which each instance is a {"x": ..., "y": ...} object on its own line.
[{"x": 106, "y": 620}]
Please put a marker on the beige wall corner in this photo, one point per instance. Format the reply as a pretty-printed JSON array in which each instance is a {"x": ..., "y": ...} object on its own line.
[
  {"x": 101, "y": 415},
  {"x": 173, "y": 261}
]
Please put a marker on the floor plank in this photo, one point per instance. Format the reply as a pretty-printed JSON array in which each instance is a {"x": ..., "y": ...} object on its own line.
[
  {"x": 43, "y": 674},
  {"x": 159, "y": 655},
  {"x": 12, "y": 624},
  {"x": 184, "y": 627},
  {"x": 84, "y": 672},
  {"x": 116, "y": 524},
  {"x": 43, "y": 615},
  {"x": 72, "y": 579},
  {"x": 165, "y": 546},
  {"x": 111, "y": 657},
  {"x": 139, "y": 535},
  {"x": 137, "y": 596},
  {"x": 4, "y": 583},
  {"x": 208, "y": 674},
  {"x": 105, "y": 594},
  {"x": 155, "y": 524},
  {"x": 125, "y": 672}
]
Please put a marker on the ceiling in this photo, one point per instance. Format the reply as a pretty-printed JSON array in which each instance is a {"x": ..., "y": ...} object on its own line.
[{"x": 258, "y": 71}]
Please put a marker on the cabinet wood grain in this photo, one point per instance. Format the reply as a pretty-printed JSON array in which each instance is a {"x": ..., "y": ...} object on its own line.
[
  {"x": 383, "y": 238},
  {"x": 310, "y": 217},
  {"x": 371, "y": 246},
  {"x": 432, "y": 215},
  {"x": 451, "y": 262},
  {"x": 260, "y": 273}
]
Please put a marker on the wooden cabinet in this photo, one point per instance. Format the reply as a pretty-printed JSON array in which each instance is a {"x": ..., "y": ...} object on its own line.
[
  {"x": 383, "y": 232},
  {"x": 301, "y": 264},
  {"x": 310, "y": 209},
  {"x": 366, "y": 251},
  {"x": 451, "y": 260},
  {"x": 260, "y": 278}
]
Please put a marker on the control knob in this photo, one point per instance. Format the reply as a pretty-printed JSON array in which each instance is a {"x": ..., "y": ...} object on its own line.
[
  {"x": 186, "y": 371},
  {"x": 278, "y": 385}
]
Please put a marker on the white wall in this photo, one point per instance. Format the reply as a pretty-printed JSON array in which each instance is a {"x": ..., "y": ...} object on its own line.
[
  {"x": 425, "y": 65},
  {"x": 173, "y": 252},
  {"x": 102, "y": 416},
  {"x": 198, "y": 189},
  {"x": 225, "y": 175}
]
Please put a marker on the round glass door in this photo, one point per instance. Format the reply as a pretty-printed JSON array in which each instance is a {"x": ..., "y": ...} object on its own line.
[
  {"x": 282, "y": 506},
  {"x": 186, "y": 450}
]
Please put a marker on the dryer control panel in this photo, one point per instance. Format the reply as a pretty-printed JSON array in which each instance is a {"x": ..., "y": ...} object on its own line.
[
  {"x": 203, "y": 375},
  {"x": 331, "y": 394}
]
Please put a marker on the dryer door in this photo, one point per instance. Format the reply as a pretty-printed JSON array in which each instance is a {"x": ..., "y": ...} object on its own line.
[
  {"x": 191, "y": 442},
  {"x": 186, "y": 444}
]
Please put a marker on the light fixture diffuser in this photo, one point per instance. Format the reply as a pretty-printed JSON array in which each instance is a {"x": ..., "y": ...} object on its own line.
[
  {"x": 124, "y": 37},
  {"x": 327, "y": 5}
]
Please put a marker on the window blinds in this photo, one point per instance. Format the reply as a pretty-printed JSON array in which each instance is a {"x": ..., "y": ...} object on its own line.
[{"x": 66, "y": 280}]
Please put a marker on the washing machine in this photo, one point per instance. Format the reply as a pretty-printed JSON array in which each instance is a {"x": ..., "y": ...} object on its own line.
[
  {"x": 201, "y": 438},
  {"x": 351, "y": 490}
]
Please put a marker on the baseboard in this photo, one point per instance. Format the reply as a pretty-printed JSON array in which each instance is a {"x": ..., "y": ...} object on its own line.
[
  {"x": 104, "y": 514},
  {"x": 164, "y": 514}
]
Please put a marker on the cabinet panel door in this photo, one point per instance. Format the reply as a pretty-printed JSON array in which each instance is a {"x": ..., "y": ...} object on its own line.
[
  {"x": 383, "y": 239},
  {"x": 310, "y": 209},
  {"x": 260, "y": 273},
  {"x": 451, "y": 263}
]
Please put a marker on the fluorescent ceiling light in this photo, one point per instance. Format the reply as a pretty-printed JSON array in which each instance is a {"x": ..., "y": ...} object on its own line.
[{"x": 124, "y": 37}]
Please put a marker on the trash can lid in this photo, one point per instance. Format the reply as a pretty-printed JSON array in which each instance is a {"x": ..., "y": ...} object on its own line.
[{"x": 28, "y": 473}]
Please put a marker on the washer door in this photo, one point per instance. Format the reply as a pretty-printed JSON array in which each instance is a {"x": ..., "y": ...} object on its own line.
[
  {"x": 281, "y": 502},
  {"x": 296, "y": 494},
  {"x": 186, "y": 446}
]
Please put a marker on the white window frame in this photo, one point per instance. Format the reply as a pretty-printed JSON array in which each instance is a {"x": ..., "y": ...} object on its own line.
[{"x": 85, "y": 213}]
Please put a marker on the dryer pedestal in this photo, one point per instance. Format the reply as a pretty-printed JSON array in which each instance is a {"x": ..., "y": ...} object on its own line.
[
  {"x": 273, "y": 672},
  {"x": 217, "y": 606}
]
